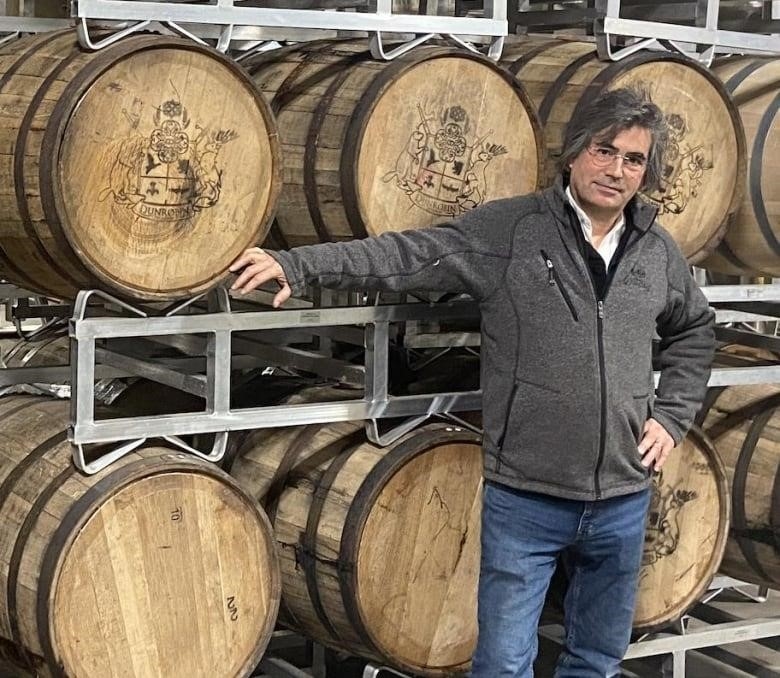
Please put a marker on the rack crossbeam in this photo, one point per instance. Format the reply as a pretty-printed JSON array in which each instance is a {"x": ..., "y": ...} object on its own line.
[
  {"x": 721, "y": 39},
  {"x": 226, "y": 13}
]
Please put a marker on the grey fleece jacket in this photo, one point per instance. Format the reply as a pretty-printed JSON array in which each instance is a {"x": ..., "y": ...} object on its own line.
[{"x": 567, "y": 379}]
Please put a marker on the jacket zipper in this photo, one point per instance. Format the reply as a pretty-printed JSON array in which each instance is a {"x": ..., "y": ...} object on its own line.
[
  {"x": 602, "y": 374},
  {"x": 603, "y": 381},
  {"x": 553, "y": 279}
]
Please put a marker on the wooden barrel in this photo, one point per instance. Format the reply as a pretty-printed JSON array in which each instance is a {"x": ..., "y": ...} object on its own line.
[
  {"x": 687, "y": 527},
  {"x": 374, "y": 146},
  {"x": 157, "y": 566},
  {"x": 744, "y": 425},
  {"x": 752, "y": 242},
  {"x": 144, "y": 168},
  {"x": 702, "y": 178},
  {"x": 379, "y": 547}
]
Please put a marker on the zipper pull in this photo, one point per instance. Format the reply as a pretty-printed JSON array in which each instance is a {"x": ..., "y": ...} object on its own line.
[
  {"x": 550, "y": 272},
  {"x": 601, "y": 309}
]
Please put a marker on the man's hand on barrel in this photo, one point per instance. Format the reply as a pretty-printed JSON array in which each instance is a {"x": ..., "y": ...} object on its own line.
[
  {"x": 259, "y": 267},
  {"x": 656, "y": 444}
]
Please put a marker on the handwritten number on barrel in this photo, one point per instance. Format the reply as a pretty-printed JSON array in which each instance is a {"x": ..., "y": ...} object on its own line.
[{"x": 231, "y": 605}]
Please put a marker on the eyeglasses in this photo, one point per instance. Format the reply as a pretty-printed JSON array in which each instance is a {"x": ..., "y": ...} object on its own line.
[{"x": 604, "y": 156}]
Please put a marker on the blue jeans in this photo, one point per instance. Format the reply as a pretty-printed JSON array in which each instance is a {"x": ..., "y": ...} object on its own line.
[{"x": 523, "y": 534}]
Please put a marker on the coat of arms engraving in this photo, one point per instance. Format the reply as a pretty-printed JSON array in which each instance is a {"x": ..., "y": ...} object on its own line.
[
  {"x": 684, "y": 169},
  {"x": 442, "y": 167},
  {"x": 165, "y": 177},
  {"x": 662, "y": 529}
]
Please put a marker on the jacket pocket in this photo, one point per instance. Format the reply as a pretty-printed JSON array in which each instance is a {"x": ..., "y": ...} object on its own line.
[
  {"x": 554, "y": 280},
  {"x": 642, "y": 412},
  {"x": 517, "y": 387},
  {"x": 548, "y": 438}
]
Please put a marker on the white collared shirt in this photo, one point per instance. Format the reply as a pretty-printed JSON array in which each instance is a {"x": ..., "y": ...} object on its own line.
[{"x": 609, "y": 243}]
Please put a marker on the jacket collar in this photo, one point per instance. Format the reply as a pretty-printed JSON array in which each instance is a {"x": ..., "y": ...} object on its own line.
[{"x": 639, "y": 214}]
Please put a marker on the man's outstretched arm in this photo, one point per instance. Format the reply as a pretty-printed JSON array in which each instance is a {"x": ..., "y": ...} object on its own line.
[{"x": 468, "y": 255}]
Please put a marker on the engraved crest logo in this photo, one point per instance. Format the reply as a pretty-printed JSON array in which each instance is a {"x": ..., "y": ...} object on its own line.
[
  {"x": 442, "y": 167},
  {"x": 684, "y": 169},
  {"x": 662, "y": 531},
  {"x": 169, "y": 175}
]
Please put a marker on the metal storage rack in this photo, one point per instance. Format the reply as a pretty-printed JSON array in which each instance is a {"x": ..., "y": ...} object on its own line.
[
  {"x": 230, "y": 14},
  {"x": 233, "y": 24},
  {"x": 214, "y": 385},
  {"x": 643, "y": 25}
]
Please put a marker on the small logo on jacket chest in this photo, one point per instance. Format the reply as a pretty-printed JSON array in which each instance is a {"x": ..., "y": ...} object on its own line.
[{"x": 637, "y": 277}]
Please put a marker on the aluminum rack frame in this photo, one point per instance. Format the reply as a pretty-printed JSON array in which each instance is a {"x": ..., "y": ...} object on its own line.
[
  {"x": 492, "y": 27},
  {"x": 219, "y": 326},
  {"x": 684, "y": 39},
  {"x": 218, "y": 417}
]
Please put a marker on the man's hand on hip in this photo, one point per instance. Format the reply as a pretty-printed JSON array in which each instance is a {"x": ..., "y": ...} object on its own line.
[
  {"x": 656, "y": 444},
  {"x": 259, "y": 267}
]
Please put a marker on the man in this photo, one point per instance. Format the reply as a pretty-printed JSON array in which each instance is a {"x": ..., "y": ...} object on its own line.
[{"x": 573, "y": 283}]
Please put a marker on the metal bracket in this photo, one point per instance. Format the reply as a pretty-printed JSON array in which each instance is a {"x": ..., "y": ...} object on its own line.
[
  {"x": 495, "y": 48},
  {"x": 83, "y": 298},
  {"x": 705, "y": 57},
  {"x": 82, "y": 31},
  {"x": 257, "y": 47},
  {"x": 79, "y": 458},
  {"x": 378, "y": 50},
  {"x": 722, "y": 583},
  {"x": 605, "y": 52},
  {"x": 217, "y": 450},
  {"x": 184, "y": 33},
  {"x": 9, "y": 38},
  {"x": 462, "y": 423},
  {"x": 389, "y": 437},
  {"x": 223, "y": 43}
]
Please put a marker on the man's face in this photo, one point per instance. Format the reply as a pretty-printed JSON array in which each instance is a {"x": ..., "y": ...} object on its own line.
[{"x": 607, "y": 174}]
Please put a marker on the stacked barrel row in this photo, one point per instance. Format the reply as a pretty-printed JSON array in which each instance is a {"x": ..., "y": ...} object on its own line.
[
  {"x": 370, "y": 147},
  {"x": 144, "y": 186},
  {"x": 378, "y": 548}
]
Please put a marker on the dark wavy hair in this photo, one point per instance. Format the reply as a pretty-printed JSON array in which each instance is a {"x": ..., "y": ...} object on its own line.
[{"x": 611, "y": 113}]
